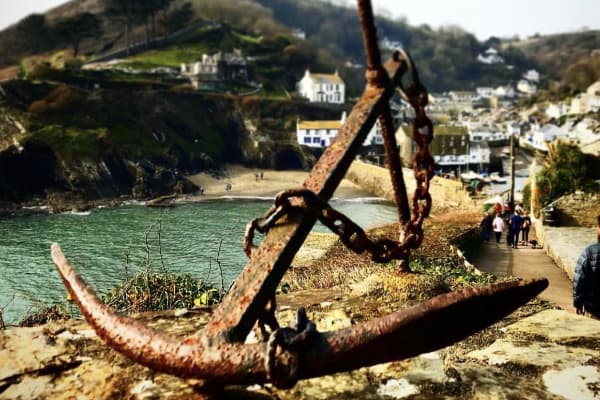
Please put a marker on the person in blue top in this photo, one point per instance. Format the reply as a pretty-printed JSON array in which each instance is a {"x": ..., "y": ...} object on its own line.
[
  {"x": 515, "y": 229},
  {"x": 586, "y": 280}
]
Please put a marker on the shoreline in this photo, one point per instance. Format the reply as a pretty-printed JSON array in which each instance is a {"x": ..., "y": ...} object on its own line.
[{"x": 244, "y": 186}]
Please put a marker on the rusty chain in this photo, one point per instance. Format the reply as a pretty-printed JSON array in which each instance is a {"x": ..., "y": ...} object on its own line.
[{"x": 352, "y": 235}]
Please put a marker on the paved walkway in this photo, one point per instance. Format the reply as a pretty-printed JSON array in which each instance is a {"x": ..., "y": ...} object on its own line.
[{"x": 527, "y": 263}]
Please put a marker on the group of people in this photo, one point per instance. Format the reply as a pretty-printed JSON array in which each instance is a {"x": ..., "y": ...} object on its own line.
[
  {"x": 586, "y": 275},
  {"x": 517, "y": 224}
]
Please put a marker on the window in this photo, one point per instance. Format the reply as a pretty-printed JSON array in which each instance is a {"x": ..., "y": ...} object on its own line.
[
  {"x": 316, "y": 140},
  {"x": 306, "y": 140}
]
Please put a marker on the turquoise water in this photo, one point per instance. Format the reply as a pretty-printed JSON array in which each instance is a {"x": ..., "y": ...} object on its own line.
[{"x": 109, "y": 243}]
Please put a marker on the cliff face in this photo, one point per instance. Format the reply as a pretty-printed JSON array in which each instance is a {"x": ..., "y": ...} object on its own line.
[{"x": 136, "y": 141}]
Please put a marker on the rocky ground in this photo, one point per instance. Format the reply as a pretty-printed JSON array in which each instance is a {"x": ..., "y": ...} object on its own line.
[{"x": 537, "y": 352}]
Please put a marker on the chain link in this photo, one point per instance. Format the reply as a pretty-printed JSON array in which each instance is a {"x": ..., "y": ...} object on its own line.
[{"x": 352, "y": 235}]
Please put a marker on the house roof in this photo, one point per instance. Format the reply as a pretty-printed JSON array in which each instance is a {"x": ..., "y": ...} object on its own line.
[
  {"x": 326, "y": 78},
  {"x": 319, "y": 124},
  {"x": 450, "y": 130}
]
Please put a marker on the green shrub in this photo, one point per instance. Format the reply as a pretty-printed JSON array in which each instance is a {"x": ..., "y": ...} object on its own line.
[
  {"x": 156, "y": 292},
  {"x": 45, "y": 314}
]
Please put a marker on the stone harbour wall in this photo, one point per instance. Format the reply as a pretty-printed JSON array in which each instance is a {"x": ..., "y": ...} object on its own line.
[
  {"x": 446, "y": 193},
  {"x": 578, "y": 209}
]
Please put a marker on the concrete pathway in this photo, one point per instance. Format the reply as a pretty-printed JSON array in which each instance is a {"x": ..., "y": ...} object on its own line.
[{"x": 527, "y": 263}]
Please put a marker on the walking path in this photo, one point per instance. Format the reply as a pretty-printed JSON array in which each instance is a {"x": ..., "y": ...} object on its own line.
[{"x": 527, "y": 263}]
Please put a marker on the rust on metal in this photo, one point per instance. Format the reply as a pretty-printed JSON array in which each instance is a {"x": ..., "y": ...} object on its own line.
[
  {"x": 395, "y": 336},
  {"x": 216, "y": 353}
]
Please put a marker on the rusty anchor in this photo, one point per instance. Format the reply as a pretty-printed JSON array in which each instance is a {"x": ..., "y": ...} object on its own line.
[{"x": 217, "y": 355}]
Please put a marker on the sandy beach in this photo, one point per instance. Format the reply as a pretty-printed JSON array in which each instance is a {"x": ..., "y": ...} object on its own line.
[{"x": 245, "y": 184}]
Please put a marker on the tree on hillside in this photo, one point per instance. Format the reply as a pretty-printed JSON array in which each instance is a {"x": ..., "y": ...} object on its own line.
[
  {"x": 32, "y": 32},
  {"x": 178, "y": 18},
  {"x": 582, "y": 74},
  {"x": 566, "y": 170},
  {"x": 125, "y": 10},
  {"x": 77, "y": 28},
  {"x": 146, "y": 12}
]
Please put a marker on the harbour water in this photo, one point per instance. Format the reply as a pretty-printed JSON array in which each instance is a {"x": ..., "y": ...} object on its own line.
[{"x": 106, "y": 245}]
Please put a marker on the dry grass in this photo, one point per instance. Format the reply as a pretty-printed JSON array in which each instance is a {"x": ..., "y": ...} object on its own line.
[{"x": 340, "y": 267}]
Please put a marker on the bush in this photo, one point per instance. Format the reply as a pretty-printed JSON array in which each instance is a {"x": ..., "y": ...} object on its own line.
[
  {"x": 157, "y": 292},
  {"x": 566, "y": 170},
  {"x": 45, "y": 315}
]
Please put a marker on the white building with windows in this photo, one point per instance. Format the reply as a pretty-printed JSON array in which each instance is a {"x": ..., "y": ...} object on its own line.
[
  {"x": 322, "y": 88},
  {"x": 532, "y": 76},
  {"x": 320, "y": 134},
  {"x": 526, "y": 87},
  {"x": 490, "y": 56},
  {"x": 485, "y": 91},
  {"x": 588, "y": 101},
  {"x": 479, "y": 154},
  {"x": 557, "y": 110},
  {"x": 539, "y": 138}
]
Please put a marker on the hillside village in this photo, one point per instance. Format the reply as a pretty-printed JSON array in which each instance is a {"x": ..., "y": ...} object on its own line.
[{"x": 210, "y": 60}]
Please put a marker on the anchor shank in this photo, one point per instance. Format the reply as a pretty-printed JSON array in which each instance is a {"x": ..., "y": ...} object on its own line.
[{"x": 246, "y": 301}]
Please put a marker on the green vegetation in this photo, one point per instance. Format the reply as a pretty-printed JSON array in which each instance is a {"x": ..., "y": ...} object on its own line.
[
  {"x": 451, "y": 271},
  {"x": 72, "y": 144},
  {"x": 170, "y": 57},
  {"x": 261, "y": 29},
  {"x": 77, "y": 28},
  {"x": 566, "y": 170},
  {"x": 156, "y": 292}
]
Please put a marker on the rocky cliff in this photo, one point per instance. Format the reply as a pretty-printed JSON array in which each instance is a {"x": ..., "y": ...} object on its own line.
[{"x": 92, "y": 141}]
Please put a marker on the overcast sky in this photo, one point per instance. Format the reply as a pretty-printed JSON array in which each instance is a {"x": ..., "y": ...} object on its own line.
[{"x": 484, "y": 18}]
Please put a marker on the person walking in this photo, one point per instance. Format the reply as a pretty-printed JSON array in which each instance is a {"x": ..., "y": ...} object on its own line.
[
  {"x": 525, "y": 226},
  {"x": 498, "y": 226},
  {"x": 486, "y": 226},
  {"x": 515, "y": 229},
  {"x": 586, "y": 280}
]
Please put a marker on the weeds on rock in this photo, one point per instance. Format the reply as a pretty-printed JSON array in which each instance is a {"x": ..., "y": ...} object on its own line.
[
  {"x": 44, "y": 315},
  {"x": 155, "y": 292}
]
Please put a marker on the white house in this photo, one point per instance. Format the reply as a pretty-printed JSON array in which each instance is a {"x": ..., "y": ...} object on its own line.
[
  {"x": 299, "y": 33},
  {"x": 526, "y": 87},
  {"x": 479, "y": 154},
  {"x": 539, "y": 138},
  {"x": 513, "y": 128},
  {"x": 322, "y": 88},
  {"x": 585, "y": 131},
  {"x": 588, "y": 101},
  {"x": 390, "y": 44},
  {"x": 219, "y": 67},
  {"x": 485, "y": 92},
  {"x": 505, "y": 91},
  {"x": 557, "y": 110},
  {"x": 321, "y": 133},
  {"x": 483, "y": 132},
  {"x": 490, "y": 56},
  {"x": 532, "y": 76}
]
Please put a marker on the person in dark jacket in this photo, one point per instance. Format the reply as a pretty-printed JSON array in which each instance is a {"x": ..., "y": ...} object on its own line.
[
  {"x": 514, "y": 229},
  {"x": 486, "y": 226},
  {"x": 586, "y": 280}
]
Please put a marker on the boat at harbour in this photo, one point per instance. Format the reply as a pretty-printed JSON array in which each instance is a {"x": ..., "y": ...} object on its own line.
[
  {"x": 496, "y": 178},
  {"x": 470, "y": 176}
]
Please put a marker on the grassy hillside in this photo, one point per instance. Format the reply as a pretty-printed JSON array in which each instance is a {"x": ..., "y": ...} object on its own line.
[
  {"x": 446, "y": 56},
  {"x": 555, "y": 53}
]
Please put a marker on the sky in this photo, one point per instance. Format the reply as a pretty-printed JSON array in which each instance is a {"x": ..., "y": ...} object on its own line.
[{"x": 484, "y": 18}]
